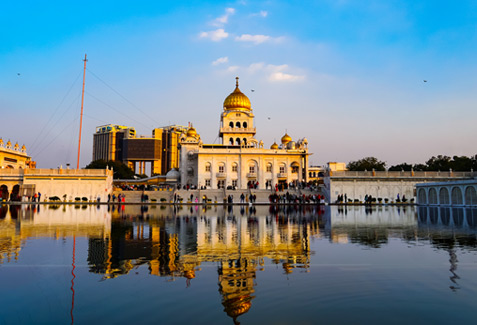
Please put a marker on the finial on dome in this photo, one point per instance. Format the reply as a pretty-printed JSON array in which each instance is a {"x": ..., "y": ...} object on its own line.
[{"x": 236, "y": 81}]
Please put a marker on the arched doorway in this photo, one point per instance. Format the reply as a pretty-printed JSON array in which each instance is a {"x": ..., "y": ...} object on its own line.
[
  {"x": 15, "y": 195},
  {"x": 4, "y": 192}
]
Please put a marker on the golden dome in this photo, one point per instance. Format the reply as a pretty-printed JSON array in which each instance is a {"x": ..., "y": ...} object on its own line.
[
  {"x": 237, "y": 100},
  {"x": 274, "y": 146},
  {"x": 9, "y": 144},
  {"x": 16, "y": 147},
  {"x": 286, "y": 138},
  {"x": 191, "y": 132}
]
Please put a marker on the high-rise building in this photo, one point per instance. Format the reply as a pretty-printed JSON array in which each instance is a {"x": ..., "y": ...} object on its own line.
[
  {"x": 120, "y": 143},
  {"x": 108, "y": 141}
]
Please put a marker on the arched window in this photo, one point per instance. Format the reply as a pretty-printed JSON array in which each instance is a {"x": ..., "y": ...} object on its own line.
[
  {"x": 269, "y": 167},
  {"x": 282, "y": 169},
  {"x": 245, "y": 141},
  {"x": 207, "y": 167},
  {"x": 234, "y": 167},
  {"x": 432, "y": 196},
  {"x": 443, "y": 196},
  {"x": 457, "y": 196},
  {"x": 231, "y": 141},
  {"x": 231, "y": 124},
  {"x": 470, "y": 196},
  {"x": 295, "y": 167},
  {"x": 314, "y": 174},
  {"x": 237, "y": 141},
  {"x": 221, "y": 168},
  {"x": 422, "y": 196},
  {"x": 244, "y": 125},
  {"x": 237, "y": 124}
]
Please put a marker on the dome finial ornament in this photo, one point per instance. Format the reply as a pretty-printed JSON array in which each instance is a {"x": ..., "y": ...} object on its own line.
[{"x": 237, "y": 100}]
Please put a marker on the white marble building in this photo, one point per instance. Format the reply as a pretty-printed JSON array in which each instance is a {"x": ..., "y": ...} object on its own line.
[{"x": 240, "y": 158}]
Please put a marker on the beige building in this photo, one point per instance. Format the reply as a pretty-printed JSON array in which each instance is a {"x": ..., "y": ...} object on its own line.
[
  {"x": 241, "y": 159},
  {"x": 14, "y": 156},
  {"x": 156, "y": 154}
]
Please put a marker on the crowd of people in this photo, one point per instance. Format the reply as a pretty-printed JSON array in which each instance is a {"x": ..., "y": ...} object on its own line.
[{"x": 297, "y": 199}]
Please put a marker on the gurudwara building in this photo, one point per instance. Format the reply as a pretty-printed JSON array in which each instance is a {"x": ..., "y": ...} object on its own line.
[
  {"x": 12, "y": 156},
  {"x": 241, "y": 160}
]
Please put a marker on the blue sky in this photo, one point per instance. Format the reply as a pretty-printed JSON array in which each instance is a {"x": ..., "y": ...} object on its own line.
[{"x": 348, "y": 75}]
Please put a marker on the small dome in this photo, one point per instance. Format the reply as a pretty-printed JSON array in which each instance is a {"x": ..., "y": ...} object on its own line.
[
  {"x": 16, "y": 147},
  {"x": 274, "y": 146},
  {"x": 173, "y": 173},
  {"x": 237, "y": 100},
  {"x": 286, "y": 138},
  {"x": 9, "y": 144},
  {"x": 191, "y": 132}
]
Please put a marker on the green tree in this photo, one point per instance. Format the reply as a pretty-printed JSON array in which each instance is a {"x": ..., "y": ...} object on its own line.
[
  {"x": 404, "y": 166},
  {"x": 120, "y": 170},
  {"x": 367, "y": 163},
  {"x": 462, "y": 163},
  {"x": 442, "y": 163}
]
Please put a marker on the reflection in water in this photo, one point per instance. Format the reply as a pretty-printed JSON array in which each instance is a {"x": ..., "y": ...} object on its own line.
[{"x": 174, "y": 241}]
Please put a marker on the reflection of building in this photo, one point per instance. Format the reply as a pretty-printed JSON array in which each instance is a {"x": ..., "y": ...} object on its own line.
[
  {"x": 14, "y": 156},
  {"x": 240, "y": 158},
  {"x": 120, "y": 143},
  {"x": 176, "y": 247},
  {"x": 20, "y": 223}
]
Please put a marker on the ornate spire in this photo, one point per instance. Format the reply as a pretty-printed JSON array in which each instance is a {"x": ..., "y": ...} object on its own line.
[{"x": 236, "y": 81}]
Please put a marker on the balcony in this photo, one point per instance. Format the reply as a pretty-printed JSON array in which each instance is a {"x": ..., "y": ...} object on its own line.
[
  {"x": 282, "y": 175},
  {"x": 221, "y": 175},
  {"x": 238, "y": 130},
  {"x": 252, "y": 175}
]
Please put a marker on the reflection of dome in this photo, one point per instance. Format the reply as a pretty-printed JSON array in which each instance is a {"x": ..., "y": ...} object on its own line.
[
  {"x": 237, "y": 100},
  {"x": 286, "y": 138},
  {"x": 274, "y": 146},
  {"x": 237, "y": 306},
  {"x": 189, "y": 274},
  {"x": 191, "y": 132}
]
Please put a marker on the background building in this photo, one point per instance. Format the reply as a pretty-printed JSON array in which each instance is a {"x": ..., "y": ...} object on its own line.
[
  {"x": 14, "y": 156},
  {"x": 154, "y": 155}
]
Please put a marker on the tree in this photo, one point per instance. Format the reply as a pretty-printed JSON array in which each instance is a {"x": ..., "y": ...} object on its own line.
[
  {"x": 404, "y": 166},
  {"x": 439, "y": 163},
  {"x": 462, "y": 163},
  {"x": 120, "y": 170},
  {"x": 367, "y": 163}
]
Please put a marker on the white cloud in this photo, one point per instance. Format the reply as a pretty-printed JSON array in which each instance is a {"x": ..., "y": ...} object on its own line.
[
  {"x": 280, "y": 76},
  {"x": 221, "y": 60},
  {"x": 262, "y": 13},
  {"x": 233, "y": 68},
  {"x": 215, "y": 35},
  {"x": 273, "y": 73},
  {"x": 257, "y": 39},
  {"x": 222, "y": 20}
]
